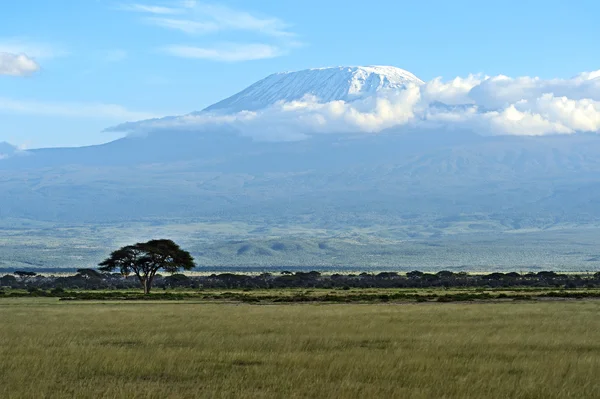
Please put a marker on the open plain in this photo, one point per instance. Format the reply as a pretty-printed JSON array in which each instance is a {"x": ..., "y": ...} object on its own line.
[{"x": 190, "y": 349}]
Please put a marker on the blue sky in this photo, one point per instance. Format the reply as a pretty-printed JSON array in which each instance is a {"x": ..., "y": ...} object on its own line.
[{"x": 70, "y": 68}]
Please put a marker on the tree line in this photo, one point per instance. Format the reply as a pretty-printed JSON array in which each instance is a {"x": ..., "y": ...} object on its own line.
[
  {"x": 91, "y": 279},
  {"x": 139, "y": 265}
]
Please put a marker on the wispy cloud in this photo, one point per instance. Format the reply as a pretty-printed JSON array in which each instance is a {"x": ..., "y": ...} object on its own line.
[
  {"x": 17, "y": 65},
  {"x": 150, "y": 9},
  {"x": 185, "y": 25},
  {"x": 72, "y": 110},
  {"x": 226, "y": 18},
  {"x": 33, "y": 49},
  {"x": 201, "y": 19},
  {"x": 227, "y": 52}
]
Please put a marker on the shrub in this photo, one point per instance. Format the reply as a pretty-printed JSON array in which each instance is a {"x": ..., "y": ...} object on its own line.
[{"x": 445, "y": 298}]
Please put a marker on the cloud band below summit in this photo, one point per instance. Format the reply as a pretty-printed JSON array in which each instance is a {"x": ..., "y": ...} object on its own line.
[{"x": 497, "y": 105}]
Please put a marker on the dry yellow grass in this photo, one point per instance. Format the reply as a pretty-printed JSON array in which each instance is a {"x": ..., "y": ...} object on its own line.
[{"x": 192, "y": 350}]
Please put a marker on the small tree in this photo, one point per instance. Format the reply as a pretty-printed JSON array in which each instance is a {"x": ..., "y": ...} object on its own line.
[
  {"x": 146, "y": 259},
  {"x": 25, "y": 275},
  {"x": 89, "y": 274},
  {"x": 415, "y": 274},
  {"x": 8, "y": 281}
]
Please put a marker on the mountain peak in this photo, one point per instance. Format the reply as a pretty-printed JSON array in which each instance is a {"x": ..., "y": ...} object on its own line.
[{"x": 344, "y": 83}]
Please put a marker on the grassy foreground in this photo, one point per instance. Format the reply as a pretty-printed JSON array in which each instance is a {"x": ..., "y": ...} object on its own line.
[{"x": 55, "y": 349}]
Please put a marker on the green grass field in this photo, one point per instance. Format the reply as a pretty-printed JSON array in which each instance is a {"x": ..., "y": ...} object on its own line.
[{"x": 52, "y": 349}]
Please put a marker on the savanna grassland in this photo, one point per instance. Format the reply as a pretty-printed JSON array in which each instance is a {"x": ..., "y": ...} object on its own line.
[
  {"x": 537, "y": 349},
  {"x": 263, "y": 245}
]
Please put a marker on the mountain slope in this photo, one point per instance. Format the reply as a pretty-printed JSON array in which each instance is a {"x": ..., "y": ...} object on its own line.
[
  {"x": 327, "y": 84},
  {"x": 367, "y": 196},
  {"x": 7, "y": 150},
  {"x": 385, "y": 175}
]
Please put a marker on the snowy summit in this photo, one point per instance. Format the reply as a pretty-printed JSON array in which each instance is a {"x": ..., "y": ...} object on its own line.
[{"x": 327, "y": 84}]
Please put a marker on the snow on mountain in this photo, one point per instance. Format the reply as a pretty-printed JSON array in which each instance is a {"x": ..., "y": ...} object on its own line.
[{"x": 327, "y": 84}]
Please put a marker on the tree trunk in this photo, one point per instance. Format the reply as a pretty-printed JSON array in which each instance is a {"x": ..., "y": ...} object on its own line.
[{"x": 146, "y": 284}]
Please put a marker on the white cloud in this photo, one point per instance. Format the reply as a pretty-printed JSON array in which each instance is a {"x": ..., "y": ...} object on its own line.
[
  {"x": 513, "y": 121},
  {"x": 17, "y": 65},
  {"x": 453, "y": 92},
  {"x": 577, "y": 115},
  {"x": 72, "y": 110},
  {"x": 496, "y": 105},
  {"x": 197, "y": 18},
  {"x": 501, "y": 90},
  {"x": 226, "y": 52}
]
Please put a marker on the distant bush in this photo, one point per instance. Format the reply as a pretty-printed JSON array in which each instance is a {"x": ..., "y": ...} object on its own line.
[
  {"x": 445, "y": 298},
  {"x": 34, "y": 291}
]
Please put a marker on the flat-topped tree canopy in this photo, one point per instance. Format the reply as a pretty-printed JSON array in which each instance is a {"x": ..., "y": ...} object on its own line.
[{"x": 146, "y": 259}]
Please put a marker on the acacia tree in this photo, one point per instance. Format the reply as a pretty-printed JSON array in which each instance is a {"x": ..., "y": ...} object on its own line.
[
  {"x": 146, "y": 259},
  {"x": 89, "y": 274},
  {"x": 24, "y": 275}
]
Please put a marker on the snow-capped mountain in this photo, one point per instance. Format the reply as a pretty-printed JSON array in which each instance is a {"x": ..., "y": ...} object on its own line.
[{"x": 327, "y": 84}]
